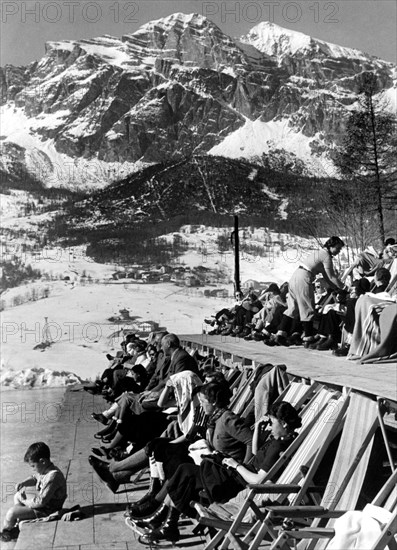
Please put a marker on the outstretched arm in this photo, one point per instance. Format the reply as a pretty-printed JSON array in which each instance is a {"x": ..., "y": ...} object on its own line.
[
  {"x": 28, "y": 482},
  {"x": 247, "y": 475},
  {"x": 329, "y": 273}
]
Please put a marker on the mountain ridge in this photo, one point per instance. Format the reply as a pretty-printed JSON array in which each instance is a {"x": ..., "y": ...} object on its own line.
[{"x": 175, "y": 87}]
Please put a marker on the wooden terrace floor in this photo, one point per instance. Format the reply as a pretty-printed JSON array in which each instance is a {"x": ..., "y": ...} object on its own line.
[
  {"x": 103, "y": 526},
  {"x": 375, "y": 379}
]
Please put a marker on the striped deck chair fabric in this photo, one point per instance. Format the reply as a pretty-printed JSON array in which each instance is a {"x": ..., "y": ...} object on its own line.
[
  {"x": 243, "y": 392},
  {"x": 382, "y": 534},
  {"x": 320, "y": 421},
  {"x": 366, "y": 335},
  {"x": 346, "y": 478}
]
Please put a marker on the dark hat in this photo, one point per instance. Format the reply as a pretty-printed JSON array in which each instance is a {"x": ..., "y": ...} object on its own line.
[{"x": 362, "y": 285}]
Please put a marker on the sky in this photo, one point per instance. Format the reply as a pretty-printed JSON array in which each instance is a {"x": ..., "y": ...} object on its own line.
[{"x": 368, "y": 25}]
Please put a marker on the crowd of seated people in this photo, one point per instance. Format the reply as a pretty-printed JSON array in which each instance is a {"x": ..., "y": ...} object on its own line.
[
  {"x": 184, "y": 451},
  {"x": 319, "y": 310}
]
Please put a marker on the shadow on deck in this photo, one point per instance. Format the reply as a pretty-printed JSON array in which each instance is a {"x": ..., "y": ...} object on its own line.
[{"x": 102, "y": 527}]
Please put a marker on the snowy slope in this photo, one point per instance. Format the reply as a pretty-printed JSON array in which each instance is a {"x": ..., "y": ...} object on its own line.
[
  {"x": 43, "y": 160},
  {"x": 256, "y": 138},
  {"x": 277, "y": 41},
  {"x": 93, "y": 110}
]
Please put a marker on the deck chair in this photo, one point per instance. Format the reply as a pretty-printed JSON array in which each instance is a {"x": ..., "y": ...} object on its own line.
[
  {"x": 322, "y": 419},
  {"x": 296, "y": 393},
  {"x": 345, "y": 481},
  {"x": 243, "y": 391},
  {"x": 386, "y": 498}
]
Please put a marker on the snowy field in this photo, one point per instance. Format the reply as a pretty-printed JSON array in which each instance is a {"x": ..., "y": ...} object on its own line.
[
  {"x": 80, "y": 321},
  {"x": 80, "y": 331}
]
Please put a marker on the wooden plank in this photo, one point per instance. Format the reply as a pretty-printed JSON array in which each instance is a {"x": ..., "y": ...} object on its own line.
[
  {"x": 105, "y": 546},
  {"x": 36, "y": 535},
  {"x": 81, "y": 488},
  {"x": 109, "y": 524},
  {"x": 376, "y": 379}
]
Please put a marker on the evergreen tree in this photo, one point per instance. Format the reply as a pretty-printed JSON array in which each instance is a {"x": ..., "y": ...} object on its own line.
[{"x": 367, "y": 158}]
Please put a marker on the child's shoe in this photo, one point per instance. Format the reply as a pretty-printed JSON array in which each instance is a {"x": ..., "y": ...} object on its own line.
[{"x": 7, "y": 535}]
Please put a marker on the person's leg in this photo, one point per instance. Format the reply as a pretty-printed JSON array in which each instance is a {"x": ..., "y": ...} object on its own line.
[
  {"x": 118, "y": 374},
  {"x": 111, "y": 411},
  {"x": 221, "y": 313},
  {"x": 284, "y": 329},
  {"x": 117, "y": 441},
  {"x": 305, "y": 300},
  {"x": 16, "y": 513},
  {"x": 133, "y": 463},
  {"x": 19, "y": 497},
  {"x": 129, "y": 402},
  {"x": 330, "y": 328}
]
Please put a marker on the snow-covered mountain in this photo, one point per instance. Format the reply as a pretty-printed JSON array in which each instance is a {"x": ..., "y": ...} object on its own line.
[{"x": 92, "y": 111}]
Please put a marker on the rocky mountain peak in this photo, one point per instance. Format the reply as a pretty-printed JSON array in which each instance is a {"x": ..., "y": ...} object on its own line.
[
  {"x": 186, "y": 39},
  {"x": 277, "y": 41},
  {"x": 178, "y": 86}
]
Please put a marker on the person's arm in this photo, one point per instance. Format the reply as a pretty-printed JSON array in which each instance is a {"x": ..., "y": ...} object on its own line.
[
  {"x": 28, "y": 482},
  {"x": 50, "y": 486},
  {"x": 160, "y": 386},
  {"x": 180, "y": 439},
  {"x": 166, "y": 397},
  {"x": 247, "y": 475},
  {"x": 271, "y": 452},
  {"x": 256, "y": 438},
  {"x": 156, "y": 382},
  {"x": 329, "y": 273},
  {"x": 237, "y": 429}
]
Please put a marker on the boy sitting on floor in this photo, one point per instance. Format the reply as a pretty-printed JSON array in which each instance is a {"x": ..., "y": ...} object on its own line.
[{"x": 50, "y": 486}]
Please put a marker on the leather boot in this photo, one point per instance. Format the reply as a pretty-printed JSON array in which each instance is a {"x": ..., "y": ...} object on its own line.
[
  {"x": 169, "y": 531},
  {"x": 155, "y": 486},
  {"x": 307, "y": 331},
  {"x": 341, "y": 352},
  {"x": 330, "y": 343},
  {"x": 285, "y": 325}
]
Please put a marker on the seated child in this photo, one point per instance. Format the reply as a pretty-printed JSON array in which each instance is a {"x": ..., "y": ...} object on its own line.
[{"x": 50, "y": 486}]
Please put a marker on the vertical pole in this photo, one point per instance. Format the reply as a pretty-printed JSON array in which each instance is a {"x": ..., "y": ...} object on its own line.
[{"x": 236, "y": 256}]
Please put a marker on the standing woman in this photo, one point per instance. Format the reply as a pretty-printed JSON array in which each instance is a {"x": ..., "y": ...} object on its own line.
[{"x": 300, "y": 299}]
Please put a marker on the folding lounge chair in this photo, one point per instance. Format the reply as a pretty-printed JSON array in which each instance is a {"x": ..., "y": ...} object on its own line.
[
  {"x": 345, "y": 481},
  {"x": 322, "y": 419},
  {"x": 243, "y": 391},
  {"x": 241, "y": 402},
  {"x": 386, "y": 498},
  {"x": 296, "y": 393}
]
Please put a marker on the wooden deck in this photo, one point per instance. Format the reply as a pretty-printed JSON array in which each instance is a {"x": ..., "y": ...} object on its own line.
[
  {"x": 376, "y": 379},
  {"x": 71, "y": 439},
  {"x": 103, "y": 526}
]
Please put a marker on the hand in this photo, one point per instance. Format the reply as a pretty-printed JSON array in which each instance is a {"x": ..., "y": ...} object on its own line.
[
  {"x": 230, "y": 463},
  {"x": 263, "y": 422},
  {"x": 142, "y": 396}
]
